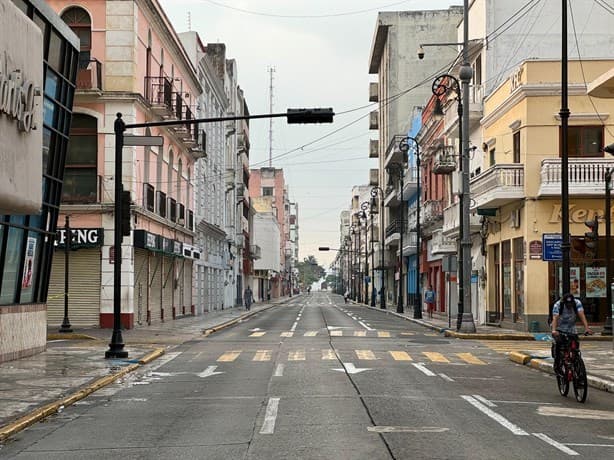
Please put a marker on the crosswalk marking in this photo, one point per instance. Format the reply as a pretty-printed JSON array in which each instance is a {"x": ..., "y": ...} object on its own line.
[
  {"x": 469, "y": 358},
  {"x": 400, "y": 355},
  {"x": 365, "y": 354},
  {"x": 336, "y": 333},
  {"x": 257, "y": 334},
  {"x": 407, "y": 333},
  {"x": 298, "y": 355},
  {"x": 383, "y": 334},
  {"x": 262, "y": 355},
  {"x": 286, "y": 334},
  {"x": 328, "y": 354},
  {"x": 360, "y": 333},
  {"x": 311, "y": 333},
  {"x": 229, "y": 356},
  {"x": 435, "y": 357}
]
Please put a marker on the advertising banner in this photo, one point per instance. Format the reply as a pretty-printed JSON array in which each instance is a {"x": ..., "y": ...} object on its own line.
[{"x": 596, "y": 282}]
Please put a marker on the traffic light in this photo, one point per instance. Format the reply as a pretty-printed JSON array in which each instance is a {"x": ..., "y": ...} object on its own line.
[
  {"x": 591, "y": 238},
  {"x": 295, "y": 116},
  {"x": 126, "y": 213}
]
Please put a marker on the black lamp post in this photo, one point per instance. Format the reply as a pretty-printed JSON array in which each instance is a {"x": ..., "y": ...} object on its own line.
[
  {"x": 607, "y": 329},
  {"x": 404, "y": 146},
  {"x": 66, "y": 327},
  {"x": 353, "y": 258},
  {"x": 382, "y": 291},
  {"x": 364, "y": 206},
  {"x": 373, "y": 294}
]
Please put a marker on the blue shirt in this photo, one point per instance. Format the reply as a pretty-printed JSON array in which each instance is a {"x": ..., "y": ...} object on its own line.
[
  {"x": 429, "y": 296},
  {"x": 567, "y": 317}
]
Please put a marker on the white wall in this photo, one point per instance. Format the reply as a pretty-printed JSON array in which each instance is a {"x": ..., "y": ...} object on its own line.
[{"x": 267, "y": 236}]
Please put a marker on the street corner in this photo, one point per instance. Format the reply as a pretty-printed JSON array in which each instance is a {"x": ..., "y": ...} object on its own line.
[{"x": 519, "y": 357}]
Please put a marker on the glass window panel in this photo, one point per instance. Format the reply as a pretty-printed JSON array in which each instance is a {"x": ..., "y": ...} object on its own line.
[
  {"x": 41, "y": 23},
  {"x": 55, "y": 51},
  {"x": 49, "y": 110},
  {"x": 81, "y": 151},
  {"x": 30, "y": 267},
  {"x": 52, "y": 84},
  {"x": 79, "y": 185},
  {"x": 46, "y": 144},
  {"x": 12, "y": 262},
  {"x": 592, "y": 141},
  {"x": 80, "y": 121}
]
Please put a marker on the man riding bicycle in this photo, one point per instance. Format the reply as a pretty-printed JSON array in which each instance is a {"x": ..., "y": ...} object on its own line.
[{"x": 564, "y": 314}]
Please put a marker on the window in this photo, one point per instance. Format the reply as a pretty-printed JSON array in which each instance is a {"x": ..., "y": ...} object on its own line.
[
  {"x": 12, "y": 262},
  {"x": 191, "y": 220},
  {"x": 80, "y": 174},
  {"x": 267, "y": 191},
  {"x": 148, "y": 197},
  {"x": 80, "y": 23},
  {"x": 161, "y": 204},
  {"x": 492, "y": 157},
  {"x": 182, "y": 215},
  {"x": 172, "y": 209},
  {"x": 584, "y": 141},
  {"x": 516, "y": 147}
]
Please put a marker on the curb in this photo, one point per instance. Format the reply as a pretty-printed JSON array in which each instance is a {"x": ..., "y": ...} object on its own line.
[
  {"x": 69, "y": 336},
  {"x": 544, "y": 366},
  {"x": 57, "y": 406},
  {"x": 232, "y": 322}
]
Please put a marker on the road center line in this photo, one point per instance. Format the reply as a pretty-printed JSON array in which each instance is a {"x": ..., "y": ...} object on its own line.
[
  {"x": 446, "y": 378},
  {"x": 268, "y": 427},
  {"x": 279, "y": 371},
  {"x": 555, "y": 444},
  {"x": 483, "y": 400},
  {"x": 423, "y": 369},
  {"x": 293, "y": 328},
  {"x": 495, "y": 416},
  {"x": 365, "y": 326}
]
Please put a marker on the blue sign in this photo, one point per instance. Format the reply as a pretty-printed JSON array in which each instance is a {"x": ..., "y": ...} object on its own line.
[{"x": 552, "y": 251}]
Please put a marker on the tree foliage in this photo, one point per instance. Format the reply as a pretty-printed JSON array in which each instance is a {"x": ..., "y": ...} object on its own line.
[{"x": 310, "y": 271}]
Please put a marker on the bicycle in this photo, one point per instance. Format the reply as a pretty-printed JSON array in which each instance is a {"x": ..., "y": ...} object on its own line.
[{"x": 571, "y": 367}]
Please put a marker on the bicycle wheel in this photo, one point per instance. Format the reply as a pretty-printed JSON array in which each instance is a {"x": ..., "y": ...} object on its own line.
[
  {"x": 580, "y": 382},
  {"x": 563, "y": 383}
]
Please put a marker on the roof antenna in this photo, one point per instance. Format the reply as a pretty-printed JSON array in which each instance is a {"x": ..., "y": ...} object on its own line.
[{"x": 189, "y": 21}]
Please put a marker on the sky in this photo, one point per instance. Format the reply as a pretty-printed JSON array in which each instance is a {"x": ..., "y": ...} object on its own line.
[{"x": 319, "y": 50}]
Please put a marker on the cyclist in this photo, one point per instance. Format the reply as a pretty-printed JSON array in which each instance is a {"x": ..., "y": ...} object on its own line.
[{"x": 564, "y": 314}]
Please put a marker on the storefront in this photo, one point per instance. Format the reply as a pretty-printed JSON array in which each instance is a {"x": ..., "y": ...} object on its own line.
[{"x": 27, "y": 237}]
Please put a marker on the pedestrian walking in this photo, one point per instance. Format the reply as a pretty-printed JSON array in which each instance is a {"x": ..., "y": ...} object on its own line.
[
  {"x": 429, "y": 299},
  {"x": 248, "y": 297},
  {"x": 345, "y": 296}
]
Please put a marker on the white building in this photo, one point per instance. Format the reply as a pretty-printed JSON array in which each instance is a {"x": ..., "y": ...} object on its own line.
[{"x": 267, "y": 235}]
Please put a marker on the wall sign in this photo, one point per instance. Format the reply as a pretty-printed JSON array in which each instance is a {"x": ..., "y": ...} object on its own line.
[
  {"x": 535, "y": 250},
  {"x": 552, "y": 247},
  {"x": 81, "y": 238}
]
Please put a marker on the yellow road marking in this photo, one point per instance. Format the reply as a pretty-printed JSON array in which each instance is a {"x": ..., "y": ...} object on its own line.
[
  {"x": 469, "y": 358},
  {"x": 298, "y": 355},
  {"x": 262, "y": 355},
  {"x": 328, "y": 354},
  {"x": 383, "y": 334},
  {"x": 287, "y": 334},
  {"x": 365, "y": 354},
  {"x": 435, "y": 357},
  {"x": 311, "y": 333},
  {"x": 257, "y": 334},
  {"x": 336, "y": 333},
  {"x": 431, "y": 334},
  {"x": 407, "y": 333},
  {"x": 360, "y": 333},
  {"x": 400, "y": 355},
  {"x": 229, "y": 356}
]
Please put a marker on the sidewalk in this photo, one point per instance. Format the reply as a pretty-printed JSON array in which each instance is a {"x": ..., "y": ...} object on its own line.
[
  {"x": 73, "y": 366},
  {"x": 597, "y": 350}
]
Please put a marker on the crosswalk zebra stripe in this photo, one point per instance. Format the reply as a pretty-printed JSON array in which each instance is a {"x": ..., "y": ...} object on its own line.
[
  {"x": 336, "y": 333},
  {"x": 360, "y": 333},
  {"x": 257, "y": 334},
  {"x": 229, "y": 356},
  {"x": 383, "y": 334},
  {"x": 311, "y": 333},
  {"x": 435, "y": 357},
  {"x": 262, "y": 355},
  {"x": 469, "y": 358},
  {"x": 365, "y": 354},
  {"x": 286, "y": 334},
  {"x": 400, "y": 355},
  {"x": 298, "y": 355},
  {"x": 328, "y": 354}
]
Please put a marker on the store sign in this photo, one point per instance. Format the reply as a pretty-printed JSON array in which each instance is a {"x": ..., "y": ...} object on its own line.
[
  {"x": 177, "y": 249},
  {"x": 577, "y": 214},
  {"x": 535, "y": 250},
  {"x": 21, "y": 83},
  {"x": 552, "y": 247},
  {"x": 81, "y": 238}
]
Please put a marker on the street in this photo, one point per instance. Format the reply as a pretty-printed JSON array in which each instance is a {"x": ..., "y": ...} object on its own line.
[{"x": 317, "y": 378}]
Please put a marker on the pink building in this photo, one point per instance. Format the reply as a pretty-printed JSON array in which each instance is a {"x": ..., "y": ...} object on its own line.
[{"x": 132, "y": 62}]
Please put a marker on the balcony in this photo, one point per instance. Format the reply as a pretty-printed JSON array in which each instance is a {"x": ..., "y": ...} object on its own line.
[
  {"x": 433, "y": 213},
  {"x": 393, "y": 233},
  {"x": 374, "y": 120},
  {"x": 373, "y": 148},
  {"x": 441, "y": 244},
  {"x": 392, "y": 197},
  {"x": 410, "y": 183},
  {"x": 586, "y": 176},
  {"x": 476, "y": 111},
  {"x": 410, "y": 244},
  {"x": 89, "y": 75},
  {"x": 451, "y": 218},
  {"x": 388, "y": 259},
  {"x": 159, "y": 93},
  {"x": 444, "y": 163},
  {"x": 393, "y": 155},
  {"x": 373, "y": 92},
  {"x": 373, "y": 177},
  {"x": 498, "y": 186}
]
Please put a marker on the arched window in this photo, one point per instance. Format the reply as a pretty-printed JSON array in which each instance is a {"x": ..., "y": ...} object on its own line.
[
  {"x": 179, "y": 179},
  {"x": 80, "y": 172},
  {"x": 81, "y": 24}
]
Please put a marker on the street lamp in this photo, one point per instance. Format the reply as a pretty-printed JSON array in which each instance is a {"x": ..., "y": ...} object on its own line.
[
  {"x": 382, "y": 291},
  {"x": 404, "y": 146},
  {"x": 607, "y": 328},
  {"x": 364, "y": 206}
]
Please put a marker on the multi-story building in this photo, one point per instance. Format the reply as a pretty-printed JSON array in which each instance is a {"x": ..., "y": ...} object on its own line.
[
  {"x": 267, "y": 235},
  {"x": 398, "y": 90},
  {"x": 35, "y": 42},
  {"x": 294, "y": 247},
  {"x": 132, "y": 62}
]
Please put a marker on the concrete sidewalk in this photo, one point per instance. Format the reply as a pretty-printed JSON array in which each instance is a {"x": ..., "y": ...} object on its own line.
[
  {"x": 74, "y": 366},
  {"x": 597, "y": 350}
]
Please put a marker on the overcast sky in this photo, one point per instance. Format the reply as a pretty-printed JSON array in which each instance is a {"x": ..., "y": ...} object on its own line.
[{"x": 320, "y": 52}]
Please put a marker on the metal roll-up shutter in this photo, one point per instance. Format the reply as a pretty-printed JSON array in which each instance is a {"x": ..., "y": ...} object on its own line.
[
  {"x": 83, "y": 289},
  {"x": 155, "y": 288},
  {"x": 167, "y": 287},
  {"x": 178, "y": 285},
  {"x": 141, "y": 286},
  {"x": 187, "y": 290}
]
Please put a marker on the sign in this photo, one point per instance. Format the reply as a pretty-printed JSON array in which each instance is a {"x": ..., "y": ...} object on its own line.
[
  {"x": 574, "y": 281},
  {"x": 21, "y": 112},
  {"x": 146, "y": 240},
  {"x": 552, "y": 247},
  {"x": 177, "y": 248},
  {"x": 81, "y": 238},
  {"x": 491, "y": 212},
  {"x": 595, "y": 282},
  {"x": 535, "y": 250},
  {"x": 130, "y": 140}
]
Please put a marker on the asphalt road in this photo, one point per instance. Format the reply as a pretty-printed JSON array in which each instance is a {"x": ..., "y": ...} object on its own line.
[{"x": 316, "y": 378}]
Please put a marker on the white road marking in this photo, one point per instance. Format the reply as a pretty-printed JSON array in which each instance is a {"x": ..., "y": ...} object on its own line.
[
  {"x": 293, "y": 328},
  {"x": 351, "y": 369},
  {"x": 209, "y": 372},
  {"x": 555, "y": 444},
  {"x": 524, "y": 402},
  {"x": 279, "y": 371},
  {"x": 483, "y": 400},
  {"x": 496, "y": 417},
  {"x": 445, "y": 377},
  {"x": 423, "y": 369},
  {"x": 575, "y": 413},
  {"x": 406, "y": 429},
  {"x": 577, "y": 444},
  {"x": 365, "y": 326},
  {"x": 268, "y": 427}
]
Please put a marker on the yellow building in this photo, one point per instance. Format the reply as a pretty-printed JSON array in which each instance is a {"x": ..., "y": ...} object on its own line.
[{"x": 518, "y": 187}]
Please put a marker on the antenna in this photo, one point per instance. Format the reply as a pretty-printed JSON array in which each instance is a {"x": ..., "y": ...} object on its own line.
[
  {"x": 271, "y": 70},
  {"x": 189, "y": 21}
]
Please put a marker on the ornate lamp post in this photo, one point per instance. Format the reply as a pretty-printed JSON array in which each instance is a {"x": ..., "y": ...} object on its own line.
[
  {"x": 375, "y": 191},
  {"x": 364, "y": 206}
]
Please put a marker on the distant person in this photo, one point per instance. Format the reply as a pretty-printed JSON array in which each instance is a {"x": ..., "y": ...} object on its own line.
[
  {"x": 248, "y": 297},
  {"x": 429, "y": 299},
  {"x": 309, "y": 290},
  {"x": 346, "y": 294}
]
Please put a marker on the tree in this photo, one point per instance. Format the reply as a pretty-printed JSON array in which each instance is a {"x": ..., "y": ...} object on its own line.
[{"x": 310, "y": 271}]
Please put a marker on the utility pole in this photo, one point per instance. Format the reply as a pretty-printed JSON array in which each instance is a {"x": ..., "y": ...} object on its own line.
[{"x": 271, "y": 71}]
